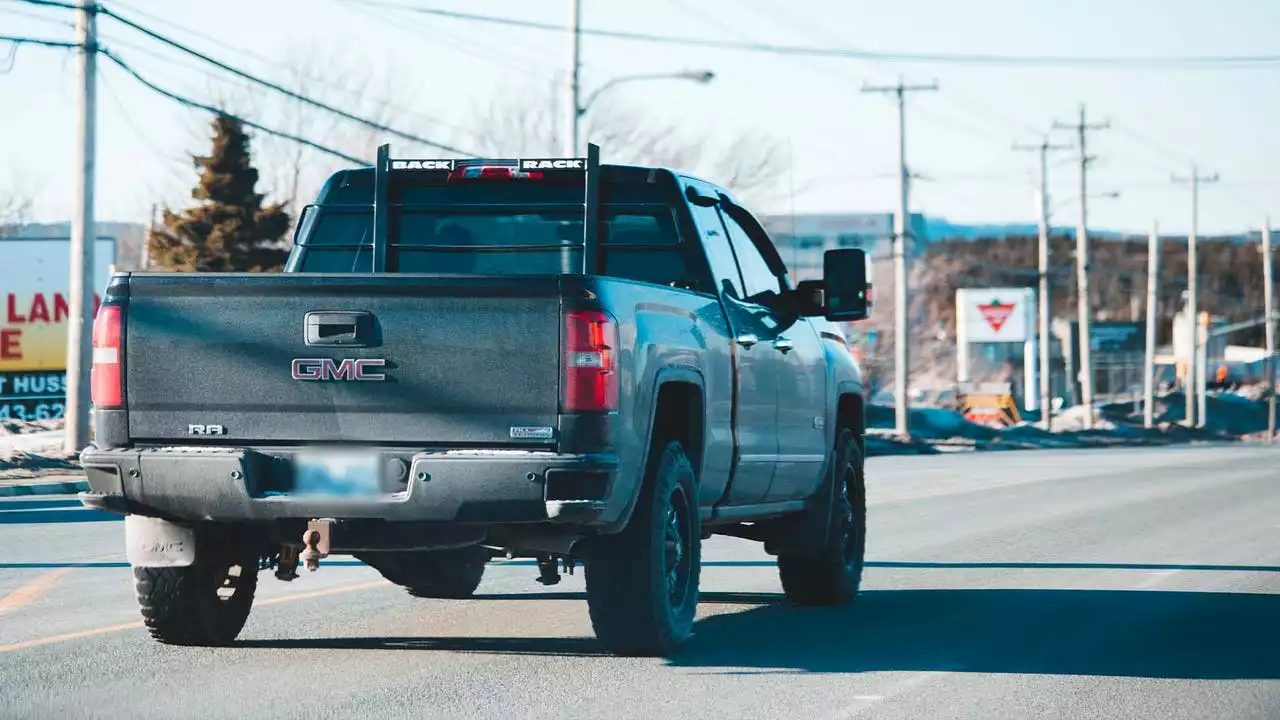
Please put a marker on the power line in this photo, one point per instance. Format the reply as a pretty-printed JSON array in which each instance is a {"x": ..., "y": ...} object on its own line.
[
  {"x": 128, "y": 118},
  {"x": 218, "y": 111},
  {"x": 1149, "y": 62},
  {"x": 52, "y": 3},
  {"x": 300, "y": 72},
  {"x": 278, "y": 88},
  {"x": 21, "y": 40},
  {"x": 469, "y": 47},
  {"x": 37, "y": 17}
]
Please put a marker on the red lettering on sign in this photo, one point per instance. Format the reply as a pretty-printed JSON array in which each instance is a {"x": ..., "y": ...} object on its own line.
[
  {"x": 39, "y": 309},
  {"x": 14, "y": 317},
  {"x": 10, "y": 349}
]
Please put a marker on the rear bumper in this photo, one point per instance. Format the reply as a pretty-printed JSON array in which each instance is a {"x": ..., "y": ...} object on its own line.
[{"x": 241, "y": 484}]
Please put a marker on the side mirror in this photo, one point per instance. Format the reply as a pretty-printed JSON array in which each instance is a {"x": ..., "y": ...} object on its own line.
[{"x": 847, "y": 293}]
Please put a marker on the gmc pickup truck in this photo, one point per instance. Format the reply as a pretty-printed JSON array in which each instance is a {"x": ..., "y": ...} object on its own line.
[{"x": 467, "y": 360}]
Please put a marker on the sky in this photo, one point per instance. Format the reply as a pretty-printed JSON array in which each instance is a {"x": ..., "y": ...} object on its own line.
[{"x": 437, "y": 76}]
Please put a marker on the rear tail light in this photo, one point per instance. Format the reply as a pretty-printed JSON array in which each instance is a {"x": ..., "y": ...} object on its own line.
[
  {"x": 105, "y": 382},
  {"x": 590, "y": 362}
]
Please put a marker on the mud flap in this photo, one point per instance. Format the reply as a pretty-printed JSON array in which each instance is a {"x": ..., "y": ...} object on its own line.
[
  {"x": 806, "y": 532},
  {"x": 151, "y": 542}
]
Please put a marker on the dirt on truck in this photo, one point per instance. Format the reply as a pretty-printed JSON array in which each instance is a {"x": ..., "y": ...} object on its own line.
[{"x": 543, "y": 358}]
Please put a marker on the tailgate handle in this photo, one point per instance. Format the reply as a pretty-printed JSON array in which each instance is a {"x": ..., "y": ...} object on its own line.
[{"x": 339, "y": 328}]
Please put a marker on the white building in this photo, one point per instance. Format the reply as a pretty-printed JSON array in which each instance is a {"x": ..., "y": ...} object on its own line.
[{"x": 803, "y": 239}]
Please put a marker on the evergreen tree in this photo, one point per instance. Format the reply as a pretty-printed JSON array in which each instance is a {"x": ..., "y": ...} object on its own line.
[{"x": 229, "y": 230}]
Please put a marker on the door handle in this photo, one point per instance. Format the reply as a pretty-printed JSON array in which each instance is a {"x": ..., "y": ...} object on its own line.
[
  {"x": 784, "y": 344},
  {"x": 339, "y": 328},
  {"x": 747, "y": 340}
]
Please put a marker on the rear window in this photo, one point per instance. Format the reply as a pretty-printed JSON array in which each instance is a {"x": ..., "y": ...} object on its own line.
[{"x": 639, "y": 242}]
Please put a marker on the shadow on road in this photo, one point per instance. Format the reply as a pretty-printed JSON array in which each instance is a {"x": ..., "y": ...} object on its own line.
[
  {"x": 1153, "y": 634},
  {"x": 37, "y": 511}
]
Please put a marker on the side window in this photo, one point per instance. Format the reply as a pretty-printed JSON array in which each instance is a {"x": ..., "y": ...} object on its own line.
[
  {"x": 716, "y": 245},
  {"x": 756, "y": 276}
]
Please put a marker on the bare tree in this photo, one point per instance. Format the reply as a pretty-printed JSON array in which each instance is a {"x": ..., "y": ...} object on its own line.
[
  {"x": 516, "y": 123},
  {"x": 15, "y": 207}
]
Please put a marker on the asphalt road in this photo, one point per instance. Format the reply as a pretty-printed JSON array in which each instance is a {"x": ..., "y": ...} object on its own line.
[{"x": 1074, "y": 584}]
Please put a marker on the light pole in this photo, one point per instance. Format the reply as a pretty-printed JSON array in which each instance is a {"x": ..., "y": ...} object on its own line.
[{"x": 580, "y": 109}]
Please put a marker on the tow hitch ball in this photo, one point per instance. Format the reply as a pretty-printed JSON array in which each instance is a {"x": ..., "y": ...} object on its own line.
[{"x": 315, "y": 542}]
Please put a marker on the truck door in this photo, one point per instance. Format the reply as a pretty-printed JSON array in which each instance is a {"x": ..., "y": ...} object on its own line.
[
  {"x": 800, "y": 409},
  {"x": 755, "y": 364}
]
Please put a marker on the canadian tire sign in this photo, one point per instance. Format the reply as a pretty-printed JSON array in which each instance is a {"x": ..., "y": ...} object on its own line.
[{"x": 985, "y": 315}]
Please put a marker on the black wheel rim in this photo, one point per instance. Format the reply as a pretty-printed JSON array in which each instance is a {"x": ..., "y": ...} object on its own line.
[
  {"x": 677, "y": 553},
  {"x": 850, "y": 522}
]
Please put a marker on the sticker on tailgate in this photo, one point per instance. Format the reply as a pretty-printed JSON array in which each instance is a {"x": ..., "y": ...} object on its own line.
[{"x": 529, "y": 432}]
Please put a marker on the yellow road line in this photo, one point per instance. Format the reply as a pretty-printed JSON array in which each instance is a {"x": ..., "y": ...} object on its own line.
[
  {"x": 32, "y": 590},
  {"x": 54, "y": 639}
]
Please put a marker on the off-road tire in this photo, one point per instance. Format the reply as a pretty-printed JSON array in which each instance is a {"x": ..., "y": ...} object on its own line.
[
  {"x": 832, "y": 576},
  {"x": 204, "y": 604},
  {"x": 642, "y": 582},
  {"x": 440, "y": 574}
]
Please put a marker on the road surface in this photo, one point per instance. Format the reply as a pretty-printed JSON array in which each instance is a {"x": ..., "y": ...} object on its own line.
[{"x": 1140, "y": 583}]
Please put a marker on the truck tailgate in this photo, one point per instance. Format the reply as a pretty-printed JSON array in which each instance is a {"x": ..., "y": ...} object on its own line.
[{"x": 462, "y": 360}]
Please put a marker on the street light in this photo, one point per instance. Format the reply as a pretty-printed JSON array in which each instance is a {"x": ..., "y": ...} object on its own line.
[{"x": 699, "y": 76}]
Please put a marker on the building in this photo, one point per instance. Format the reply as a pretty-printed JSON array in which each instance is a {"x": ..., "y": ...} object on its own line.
[{"x": 802, "y": 239}]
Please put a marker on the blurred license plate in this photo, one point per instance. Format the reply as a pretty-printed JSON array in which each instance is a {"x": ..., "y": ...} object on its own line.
[{"x": 340, "y": 474}]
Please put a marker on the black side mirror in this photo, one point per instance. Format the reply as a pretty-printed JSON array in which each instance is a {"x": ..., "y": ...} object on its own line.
[{"x": 847, "y": 293}]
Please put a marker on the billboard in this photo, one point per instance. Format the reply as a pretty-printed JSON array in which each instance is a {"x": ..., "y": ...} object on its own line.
[{"x": 33, "y": 322}]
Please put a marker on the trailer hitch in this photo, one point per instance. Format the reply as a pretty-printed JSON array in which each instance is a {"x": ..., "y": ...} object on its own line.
[{"x": 315, "y": 543}]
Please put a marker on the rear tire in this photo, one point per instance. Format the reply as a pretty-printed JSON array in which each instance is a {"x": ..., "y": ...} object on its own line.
[
  {"x": 204, "y": 604},
  {"x": 833, "y": 575},
  {"x": 642, "y": 583},
  {"x": 439, "y": 574}
]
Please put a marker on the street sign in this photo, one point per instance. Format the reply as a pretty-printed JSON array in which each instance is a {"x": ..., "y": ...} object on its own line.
[
  {"x": 986, "y": 315},
  {"x": 988, "y": 404}
]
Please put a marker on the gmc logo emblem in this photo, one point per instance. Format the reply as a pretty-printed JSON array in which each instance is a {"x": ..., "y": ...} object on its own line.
[{"x": 326, "y": 369}]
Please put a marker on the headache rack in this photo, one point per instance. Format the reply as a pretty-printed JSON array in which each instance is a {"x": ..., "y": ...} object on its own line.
[{"x": 517, "y": 169}]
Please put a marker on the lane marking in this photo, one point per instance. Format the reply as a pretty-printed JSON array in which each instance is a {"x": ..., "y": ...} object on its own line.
[
  {"x": 31, "y": 591},
  {"x": 909, "y": 683},
  {"x": 65, "y": 637}
]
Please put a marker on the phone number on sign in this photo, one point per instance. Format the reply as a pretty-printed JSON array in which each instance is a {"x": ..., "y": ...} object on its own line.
[{"x": 31, "y": 410}]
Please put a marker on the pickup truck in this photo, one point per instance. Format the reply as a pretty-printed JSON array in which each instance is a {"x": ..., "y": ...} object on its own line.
[{"x": 467, "y": 360}]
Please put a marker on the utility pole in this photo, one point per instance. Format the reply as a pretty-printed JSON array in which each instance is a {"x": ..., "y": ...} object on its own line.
[
  {"x": 901, "y": 232},
  {"x": 1084, "y": 310},
  {"x": 1194, "y": 385},
  {"x": 1269, "y": 303},
  {"x": 1149, "y": 364},
  {"x": 80, "y": 300},
  {"x": 1046, "y": 311},
  {"x": 575, "y": 86},
  {"x": 147, "y": 262}
]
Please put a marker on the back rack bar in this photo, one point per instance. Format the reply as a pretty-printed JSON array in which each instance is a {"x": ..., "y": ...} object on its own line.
[{"x": 589, "y": 166}]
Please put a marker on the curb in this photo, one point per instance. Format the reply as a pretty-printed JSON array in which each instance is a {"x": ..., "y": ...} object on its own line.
[{"x": 43, "y": 488}]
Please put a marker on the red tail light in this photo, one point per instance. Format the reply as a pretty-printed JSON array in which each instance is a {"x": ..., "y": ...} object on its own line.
[
  {"x": 590, "y": 361},
  {"x": 105, "y": 384}
]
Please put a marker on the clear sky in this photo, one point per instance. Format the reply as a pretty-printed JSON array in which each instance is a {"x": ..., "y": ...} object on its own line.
[{"x": 435, "y": 73}]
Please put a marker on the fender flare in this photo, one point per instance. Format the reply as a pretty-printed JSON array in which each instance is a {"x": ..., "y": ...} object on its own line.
[{"x": 664, "y": 376}]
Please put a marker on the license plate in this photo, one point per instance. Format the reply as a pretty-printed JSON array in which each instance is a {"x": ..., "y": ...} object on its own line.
[{"x": 337, "y": 474}]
